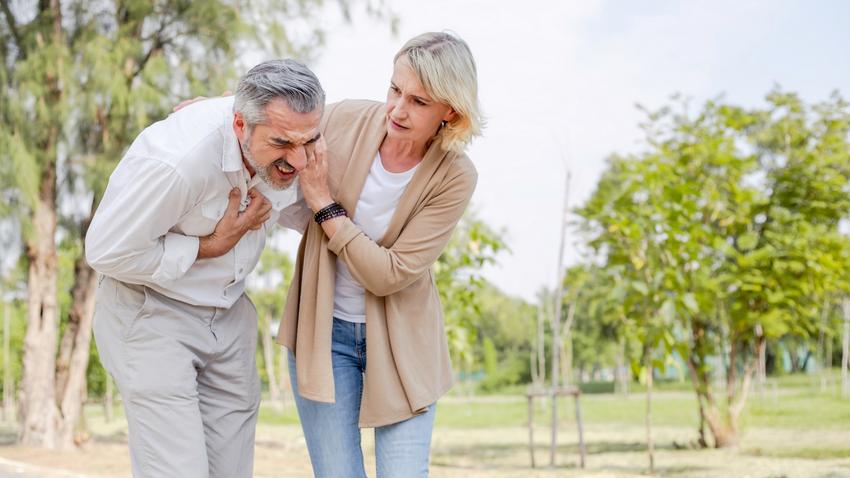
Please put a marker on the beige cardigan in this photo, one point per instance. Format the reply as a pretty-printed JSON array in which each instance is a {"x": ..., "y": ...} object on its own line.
[{"x": 408, "y": 366}]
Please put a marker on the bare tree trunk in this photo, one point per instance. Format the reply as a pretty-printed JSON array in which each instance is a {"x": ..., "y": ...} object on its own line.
[
  {"x": 556, "y": 328},
  {"x": 531, "y": 429},
  {"x": 821, "y": 357},
  {"x": 38, "y": 404},
  {"x": 724, "y": 427},
  {"x": 845, "y": 350},
  {"x": 38, "y": 393},
  {"x": 8, "y": 382},
  {"x": 532, "y": 367},
  {"x": 268, "y": 358},
  {"x": 761, "y": 368},
  {"x": 73, "y": 359},
  {"x": 568, "y": 343},
  {"x": 622, "y": 375},
  {"x": 541, "y": 346},
  {"x": 650, "y": 443}
]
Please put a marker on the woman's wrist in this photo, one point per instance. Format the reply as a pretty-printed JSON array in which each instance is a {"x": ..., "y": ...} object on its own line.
[
  {"x": 320, "y": 204},
  {"x": 328, "y": 212}
]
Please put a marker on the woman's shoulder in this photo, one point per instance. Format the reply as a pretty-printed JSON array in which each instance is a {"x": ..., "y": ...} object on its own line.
[
  {"x": 351, "y": 110},
  {"x": 461, "y": 165},
  {"x": 459, "y": 175}
]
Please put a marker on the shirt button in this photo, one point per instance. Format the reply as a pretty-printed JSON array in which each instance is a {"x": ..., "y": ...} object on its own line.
[{"x": 241, "y": 269}]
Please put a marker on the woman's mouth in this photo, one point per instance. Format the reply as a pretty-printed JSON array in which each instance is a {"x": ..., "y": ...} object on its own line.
[{"x": 397, "y": 126}]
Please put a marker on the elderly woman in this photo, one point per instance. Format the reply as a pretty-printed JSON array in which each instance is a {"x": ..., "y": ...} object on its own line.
[{"x": 363, "y": 320}]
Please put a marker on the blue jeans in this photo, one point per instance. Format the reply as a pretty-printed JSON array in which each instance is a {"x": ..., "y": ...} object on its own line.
[{"x": 331, "y": 431}]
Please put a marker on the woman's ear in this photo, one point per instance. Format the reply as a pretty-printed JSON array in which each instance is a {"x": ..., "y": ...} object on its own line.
[{"x": 450, "y": 115}]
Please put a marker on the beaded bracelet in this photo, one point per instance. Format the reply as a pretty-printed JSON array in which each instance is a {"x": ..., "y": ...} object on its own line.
[{"x": 330, "y": 211}]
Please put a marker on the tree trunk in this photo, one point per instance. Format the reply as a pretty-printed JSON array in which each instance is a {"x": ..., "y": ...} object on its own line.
[
  {"x": 8, "y": 381},
  {"x": 845, "y": 351},
  {"x": 724, "y": 426},
  {"x": 73, "y": 359},
  {"x": 541, "y": 347},
  {"x": 650, "y": 443},
  {"x": 268, "y": 358},
  {"x": 38, "y": 404},
  {"x": 622, "y": 374}
]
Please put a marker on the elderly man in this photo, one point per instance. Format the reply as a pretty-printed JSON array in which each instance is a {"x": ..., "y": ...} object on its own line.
[{"x": 182, "y": 222}]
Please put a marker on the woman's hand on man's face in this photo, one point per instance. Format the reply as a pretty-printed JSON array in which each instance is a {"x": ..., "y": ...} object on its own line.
[
  {"x": 196, "y": 99},
  {"x": 313, "y": 179}
]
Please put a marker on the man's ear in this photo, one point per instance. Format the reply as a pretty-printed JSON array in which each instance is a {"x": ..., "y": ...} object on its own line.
[{"x": 239, "y": 127}]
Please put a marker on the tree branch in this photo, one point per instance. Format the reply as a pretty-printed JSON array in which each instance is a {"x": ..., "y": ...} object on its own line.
[{"x": 13, "y": 27}]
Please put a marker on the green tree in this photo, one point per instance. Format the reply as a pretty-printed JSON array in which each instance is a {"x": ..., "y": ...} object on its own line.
[
  {"x": 457, "y": 274},
  {"x": 731, "y": 217},
  {"x": 268, "y": 286}
]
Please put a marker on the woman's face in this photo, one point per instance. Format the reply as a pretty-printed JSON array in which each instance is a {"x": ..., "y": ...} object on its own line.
[{"x": 412, "y": 115}]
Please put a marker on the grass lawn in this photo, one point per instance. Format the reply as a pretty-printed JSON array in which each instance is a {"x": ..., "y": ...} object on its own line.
[{"x": 792, "y": 430}]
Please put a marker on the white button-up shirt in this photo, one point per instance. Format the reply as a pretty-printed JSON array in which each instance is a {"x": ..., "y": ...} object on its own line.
[{"x": 170, "y": 188}]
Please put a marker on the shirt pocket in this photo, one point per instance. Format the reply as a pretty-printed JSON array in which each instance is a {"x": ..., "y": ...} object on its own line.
[
  {"x": 202, "y": 220},
  {"x": 214, "y": 208}
]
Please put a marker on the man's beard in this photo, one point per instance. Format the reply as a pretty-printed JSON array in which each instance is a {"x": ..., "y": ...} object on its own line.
[{"x": 264, "y": 173}]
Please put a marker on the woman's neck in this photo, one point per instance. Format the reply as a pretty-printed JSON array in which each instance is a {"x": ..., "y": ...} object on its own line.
[{"x": 399, "y": 156}]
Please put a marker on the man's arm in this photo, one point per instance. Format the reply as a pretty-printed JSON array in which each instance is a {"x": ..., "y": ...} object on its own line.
[{"x": 130, "y": 238}]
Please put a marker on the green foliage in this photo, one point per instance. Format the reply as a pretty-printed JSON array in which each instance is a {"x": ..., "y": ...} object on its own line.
[
  {"x": 267, "y": 287},
  {"x": 457, "y": 274},
  {"x": 725, "y": 230}
]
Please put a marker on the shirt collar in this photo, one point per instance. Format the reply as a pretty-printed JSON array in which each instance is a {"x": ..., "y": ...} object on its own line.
[
  {"x": 280, "y": 198},
  {"x": 231, "y": 153}
]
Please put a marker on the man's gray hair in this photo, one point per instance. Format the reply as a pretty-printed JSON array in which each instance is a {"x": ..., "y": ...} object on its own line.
[{"x": 286, "y": 79}]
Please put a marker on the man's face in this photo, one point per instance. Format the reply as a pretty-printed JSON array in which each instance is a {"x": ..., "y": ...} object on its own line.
[{"x": 276, "y": 150}]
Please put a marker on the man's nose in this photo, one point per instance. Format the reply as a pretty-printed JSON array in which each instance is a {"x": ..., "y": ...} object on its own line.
[{"x": 299, "y": 158}]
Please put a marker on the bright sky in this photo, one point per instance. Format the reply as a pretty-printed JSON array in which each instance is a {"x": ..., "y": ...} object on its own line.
[{"x": 559, "y": 81}]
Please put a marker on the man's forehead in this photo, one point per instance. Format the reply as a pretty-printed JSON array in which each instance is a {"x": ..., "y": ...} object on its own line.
[
  {"x": 285, "y": 126},
  {"x": 285, "y": 138}
]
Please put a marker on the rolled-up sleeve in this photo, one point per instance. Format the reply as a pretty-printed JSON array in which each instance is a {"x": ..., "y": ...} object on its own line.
[{"x": 130, "y": 237}]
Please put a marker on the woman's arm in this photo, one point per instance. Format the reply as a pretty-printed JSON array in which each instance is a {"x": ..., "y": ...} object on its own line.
[{"x": 380, "y": 270}]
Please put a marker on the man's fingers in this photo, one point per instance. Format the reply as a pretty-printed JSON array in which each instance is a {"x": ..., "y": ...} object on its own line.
[
  {"x": 257, "y": 200},
  {"x": 186, "y": 103},
  {"x": 260, "y": 221},
  {"x": 233, "y": 201}
]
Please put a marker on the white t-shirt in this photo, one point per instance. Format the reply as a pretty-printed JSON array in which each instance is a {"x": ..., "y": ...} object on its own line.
[{"x": 372, "y": 215}]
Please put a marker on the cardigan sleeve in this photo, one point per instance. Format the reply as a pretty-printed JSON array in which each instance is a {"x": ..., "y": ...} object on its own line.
[{"x": 384, "y": 271}]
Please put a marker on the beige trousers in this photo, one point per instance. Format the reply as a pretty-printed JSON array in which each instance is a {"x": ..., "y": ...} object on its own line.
[{"x": 188, "y": 378}]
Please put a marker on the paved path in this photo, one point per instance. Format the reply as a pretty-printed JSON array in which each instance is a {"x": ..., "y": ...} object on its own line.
[{"x": 12, "y": 469}]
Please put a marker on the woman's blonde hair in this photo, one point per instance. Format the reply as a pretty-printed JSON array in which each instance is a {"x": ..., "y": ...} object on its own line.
[{"x": 446, "y": 68}]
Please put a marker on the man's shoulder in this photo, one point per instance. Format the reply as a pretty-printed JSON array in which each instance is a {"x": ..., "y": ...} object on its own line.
[{"x": 189, "y": 138}]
